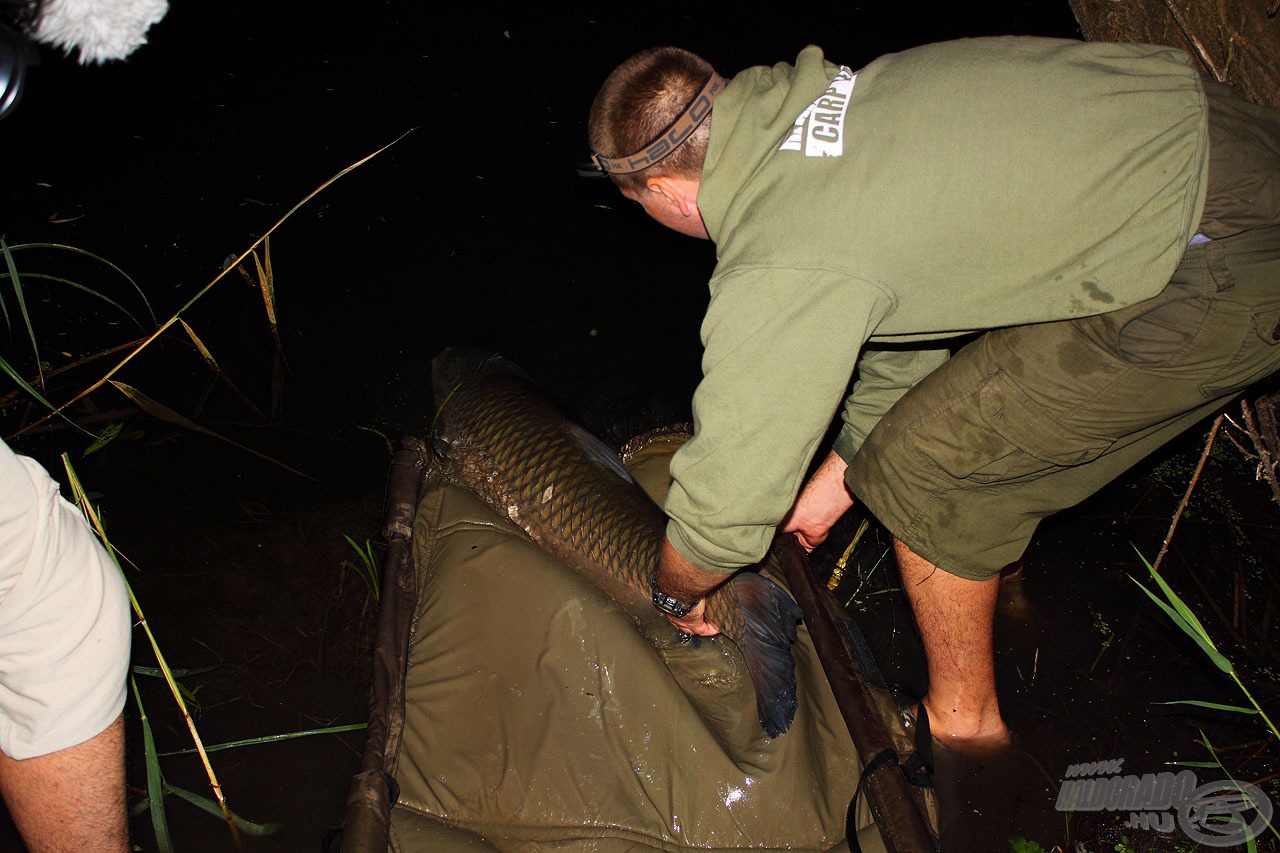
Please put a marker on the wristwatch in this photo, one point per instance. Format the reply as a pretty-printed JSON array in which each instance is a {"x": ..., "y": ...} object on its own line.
[{"x": 668, "y": 604}]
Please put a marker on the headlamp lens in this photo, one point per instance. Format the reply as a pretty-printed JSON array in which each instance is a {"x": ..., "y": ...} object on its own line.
[{"x": 16, "y": 53}]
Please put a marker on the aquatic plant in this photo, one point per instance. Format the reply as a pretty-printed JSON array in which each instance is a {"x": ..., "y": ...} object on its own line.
[
  {"x": 1182, "y": 616},
  {"x": 157, "y": 786},
  {"x": 366, "y": 567},
  {"x": 154, "y": 777},
  {"x": 72, "y": 403},
  {"x": 44, "y": 383},
  {"x": 37, "y": 386}
]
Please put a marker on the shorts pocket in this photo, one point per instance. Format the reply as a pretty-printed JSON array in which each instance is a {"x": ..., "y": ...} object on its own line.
[
  {"x": 1257, "y": 357},
  {"x": 1267, "y": 324},
  {"x": 1163, "y": 335},
  {"x": 1038, "y": 438}
]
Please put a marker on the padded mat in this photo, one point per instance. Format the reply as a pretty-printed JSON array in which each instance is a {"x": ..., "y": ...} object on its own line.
[{"x": 538, "y": 718}]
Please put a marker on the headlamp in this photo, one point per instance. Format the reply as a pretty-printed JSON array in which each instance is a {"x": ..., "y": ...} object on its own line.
[
  {"x": 680, "y": 130},
  {"x": 16, "y": 53}
]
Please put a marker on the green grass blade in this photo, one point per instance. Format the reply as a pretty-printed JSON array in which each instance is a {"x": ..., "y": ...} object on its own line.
[
  {"x": 156, "y": 672},
  {"x": 235, "y": 744},
  {"x": 22, "y": 306},
  {"x": 208, "y": 805},
  {"x": 1174, "y": 599},
  {"x": 155, "y": 779},
  {"x": 94, "y": 519},
  {"x": 104, "y": 438},
  {"x": 8, "y": 370},
  {"x": 1254, "y": 702},
  {"x": 81, "y": 287},
  {"x": 1213, "y": 753},
  {"x": 23, "y": 384},
  {"x": 1237, "y": 709},
  {"x": 1190, "y": 625},
  {"x": 78, "y": 251},
  {"x": 4, "y": 306},
  {"x": 164, "y": 413},
  {"x": 1205, "y": 644},
  {"x": 368, "y": 566}
]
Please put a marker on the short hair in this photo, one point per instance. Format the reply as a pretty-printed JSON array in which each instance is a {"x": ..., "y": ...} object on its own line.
[{"x": 639, "y": 101}]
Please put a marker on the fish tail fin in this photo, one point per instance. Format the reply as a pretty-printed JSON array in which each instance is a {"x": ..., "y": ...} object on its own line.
[{"x": 769, "y": 631}]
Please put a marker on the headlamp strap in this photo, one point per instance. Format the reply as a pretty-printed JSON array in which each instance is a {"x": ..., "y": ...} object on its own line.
[{"x": 662, "y": 147}]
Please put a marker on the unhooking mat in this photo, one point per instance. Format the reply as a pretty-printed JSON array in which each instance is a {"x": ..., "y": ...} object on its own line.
[{"x": 537, "y": 718}]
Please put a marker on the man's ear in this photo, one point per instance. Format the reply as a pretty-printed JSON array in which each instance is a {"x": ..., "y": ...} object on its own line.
[{"x": 679, "y": 193}]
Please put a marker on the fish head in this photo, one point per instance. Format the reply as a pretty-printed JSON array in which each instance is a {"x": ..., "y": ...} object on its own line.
[
  {"x": 453, "y": 371},
  {"x": 452, "y": 366}
]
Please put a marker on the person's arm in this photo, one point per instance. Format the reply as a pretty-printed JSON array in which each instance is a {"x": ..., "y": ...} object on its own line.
[
  {"x": 72, "y": 799},
  {"x": 883, "y": 377},
  {"x": 822, "y": 502},
  {"x": 688, "y": 584},
  {"x": 780, "y": 346}
]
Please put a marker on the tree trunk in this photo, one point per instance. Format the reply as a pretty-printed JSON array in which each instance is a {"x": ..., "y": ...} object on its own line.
[{"x": 1236, "y": 41}]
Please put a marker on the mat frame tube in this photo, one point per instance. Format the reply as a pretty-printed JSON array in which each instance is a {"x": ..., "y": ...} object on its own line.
[
  {"x": 895, "y": 804},
  {"x": 374, "y": 791}
]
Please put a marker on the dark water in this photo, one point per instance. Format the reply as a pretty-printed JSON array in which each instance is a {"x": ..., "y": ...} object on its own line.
[{"x": 473, "y": 228}]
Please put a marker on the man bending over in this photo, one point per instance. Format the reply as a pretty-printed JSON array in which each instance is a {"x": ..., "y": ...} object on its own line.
[{"x": 1111, "y": 217}]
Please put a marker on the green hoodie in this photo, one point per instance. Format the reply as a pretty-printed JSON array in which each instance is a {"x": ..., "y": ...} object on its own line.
[{"x": 954, "y": 187}]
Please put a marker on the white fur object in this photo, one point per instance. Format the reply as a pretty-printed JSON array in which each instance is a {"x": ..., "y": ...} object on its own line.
[{"x": 100, "y": 29}]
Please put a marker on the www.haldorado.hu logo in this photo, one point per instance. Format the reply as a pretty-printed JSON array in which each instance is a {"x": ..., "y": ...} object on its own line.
[{"x": 1216, "y": 813}]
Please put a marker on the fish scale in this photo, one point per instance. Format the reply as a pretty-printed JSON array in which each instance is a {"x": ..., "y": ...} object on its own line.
[{"x": 498, "y": 435}]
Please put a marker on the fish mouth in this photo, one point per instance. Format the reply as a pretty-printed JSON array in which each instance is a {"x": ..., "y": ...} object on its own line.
[
  {"x": 449, "y": 369},
  {"x": 454, "y": 365},
  {"x": 451, "y": 366}
]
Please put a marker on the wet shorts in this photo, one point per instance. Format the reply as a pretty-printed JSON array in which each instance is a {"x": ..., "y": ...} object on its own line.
[
  {"x": 64, "y": 619},
  {"x": 1029, "y": 420}
]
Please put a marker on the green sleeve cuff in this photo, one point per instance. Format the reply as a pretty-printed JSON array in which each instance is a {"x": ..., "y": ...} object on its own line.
[
  {"x": 847, "y": 444},
  {"x": 884, "y": 376},
  {"x": 681, "y": 541}
]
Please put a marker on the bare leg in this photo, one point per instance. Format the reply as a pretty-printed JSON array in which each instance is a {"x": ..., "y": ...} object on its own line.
[
  {"x": 73, "y": 799},
  {"x": 955, "y": 618}
]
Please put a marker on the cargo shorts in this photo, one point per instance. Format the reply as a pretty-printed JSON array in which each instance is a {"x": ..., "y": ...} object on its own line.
[{"x": 1029, "y": 420}]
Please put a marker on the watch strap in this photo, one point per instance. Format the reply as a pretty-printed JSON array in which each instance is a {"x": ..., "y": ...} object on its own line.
[{"x": 668, "y": 604}]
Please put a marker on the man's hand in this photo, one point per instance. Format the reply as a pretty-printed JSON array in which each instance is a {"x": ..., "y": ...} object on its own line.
[
  {"x": 695, "y": 621},
  {"x": 684, "y": 581},
  {"x": 821, "y": 503}
]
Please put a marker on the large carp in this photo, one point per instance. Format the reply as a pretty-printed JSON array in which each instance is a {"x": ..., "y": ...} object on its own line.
[{"x": 501, "y": 437}]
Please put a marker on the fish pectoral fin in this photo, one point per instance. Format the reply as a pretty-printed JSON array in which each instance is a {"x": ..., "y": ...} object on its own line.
[
  {"x": 599, "y": 452},
  {"x": 769, "y": 631}
]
